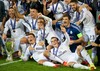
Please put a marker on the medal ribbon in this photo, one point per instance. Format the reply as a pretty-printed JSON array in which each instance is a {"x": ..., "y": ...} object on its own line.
[
  {"x": 54, "y": 10},
  {"x": 13, "y": 25},
  {"x": 34, "y": 24}
]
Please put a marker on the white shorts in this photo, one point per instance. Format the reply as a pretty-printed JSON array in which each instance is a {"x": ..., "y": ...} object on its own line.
[
  {"x": 74, "y": 58},
  {"x": 70, "y": 57},
  {"x": 38, "y": 56},
  {"x": 89, "y": 34}
]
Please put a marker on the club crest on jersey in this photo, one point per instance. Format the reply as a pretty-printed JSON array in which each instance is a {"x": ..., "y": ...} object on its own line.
[
  {"x": 71, "y": 32},
  {"x": 60, "y": 52},
  {"x": 59, "y": 8}
]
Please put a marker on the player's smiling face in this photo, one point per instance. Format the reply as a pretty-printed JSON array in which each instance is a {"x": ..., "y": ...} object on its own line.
[
  {"x": 11, "y": 12},
  {"x": 40, "y": 23},
  {"x": 73, "y": 5},
  {"x": 33, "y": 13},
  {"x": 66, "y": 21},
  {"x": 55, "y": 42},
  {"x": 31, "y": 39}
]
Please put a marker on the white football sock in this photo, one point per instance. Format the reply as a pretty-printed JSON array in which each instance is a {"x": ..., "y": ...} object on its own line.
[
  {"x": 23, "y": 47},
  {"x": 93, "y": 54},
  {"x": 55, "y": 58},
  {"x": 80, "y": 66},
  {"x": 16, "y": 44},
  {"x": 86, "y": 56},
  {"x": 47, "y": 63}
]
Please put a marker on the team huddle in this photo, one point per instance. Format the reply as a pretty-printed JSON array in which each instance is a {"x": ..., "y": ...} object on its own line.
[{"x": 61, "y": 40}]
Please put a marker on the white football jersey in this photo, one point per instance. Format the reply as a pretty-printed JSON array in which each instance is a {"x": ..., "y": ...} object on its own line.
[
  {"x": 19, "y": 28},
  {"x": 58, "y": 9},
  {"x": 48, "y": 33},
  {"x": 87, "y": 18}
]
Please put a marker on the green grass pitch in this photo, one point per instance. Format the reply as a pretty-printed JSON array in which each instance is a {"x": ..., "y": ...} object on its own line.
[{"x": 31, "y": 65}]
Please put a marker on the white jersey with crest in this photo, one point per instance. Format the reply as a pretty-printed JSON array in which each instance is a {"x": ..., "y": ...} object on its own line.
[
  {"x": 37, "y": 53},
  {"x": 19, "y": 28},
  {"x": 88, "y": 24},
  {"x": 63, "y": 51},
  {"x": 86, "y": 17},
  {"x": 58, "y": 8},
  {"x": 16, "y": 33},
  {"x": 48, "y": 33},
  {"x": 30, "y": 24}
]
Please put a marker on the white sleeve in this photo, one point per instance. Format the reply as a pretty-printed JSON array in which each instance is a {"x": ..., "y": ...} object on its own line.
[
  {"x": 6, "y": 28},
  {"x": 39, "y": 38},
  {"x": 26, "y": 17},
  {"x": 73, "y": 19},
  {"x": 83, "y": 14},
  {"x": 50, "y": 8},
  {"x": 39, "y": 48},
  {"x": 48, "y": 20},
  {"x": 80, "y": 3},
  {"x": 64, "y": 7},
  {"x": 26, "y": 24},
  {"x": 67, "y": 39}
]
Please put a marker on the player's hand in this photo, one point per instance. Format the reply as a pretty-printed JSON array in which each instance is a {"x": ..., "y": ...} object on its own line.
[
  {"x": 78, "y": 23},
  {"x": 41, "y": 43},
  {"x": 71, "y": 42},
  {"x": 14, "y": 5},
  {"x": 32, "y": 31},
  {"x": 94, "y": 44},
  {"x": 44, "y": 2},
  {"x": 39, "y": 14},
  {"x": 28, "y": 1},
  {"x": 1, "y": 28},
  {"x": 23, "y": 40},
  {"x": 63, "y": 29},
  {"x": 17, "y": 19},
  {"x": 31, "y": 48},
  {"x": 86, "y": 6},
  {"x": 19, "y": 53},
  {"x": 4, "y": 36}
]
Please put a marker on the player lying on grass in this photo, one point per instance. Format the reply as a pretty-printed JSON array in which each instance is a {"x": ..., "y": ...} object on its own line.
[
  {"x": 36, "y": 52},
  {"x": 61, "y": 50}
]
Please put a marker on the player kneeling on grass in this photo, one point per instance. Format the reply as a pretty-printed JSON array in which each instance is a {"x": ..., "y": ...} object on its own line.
[
  {"x": 36, "y": 52},
  {"x": 62, "y": 51}
]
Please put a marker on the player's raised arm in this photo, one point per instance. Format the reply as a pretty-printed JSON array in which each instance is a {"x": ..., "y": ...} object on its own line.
[
  {"x": 17, "y": 14},
  {"x": 66, "y": 35},
  {"x": 45, "y": 11},
  {"x": 82, "y": 16}
]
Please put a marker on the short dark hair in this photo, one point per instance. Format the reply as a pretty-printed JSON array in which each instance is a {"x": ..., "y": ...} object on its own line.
[
  {"x": 67, "y": 15},
  {"x": 11, "y": 7},
  {"x": 54, "y": 37},
  {"x": 36, "y": 5},
  {"x": 75, "y": 1},
  {"x": 42, "y": 18},
  {"x": 31, "y": 34},
  {"x": 98, "y": 26}
]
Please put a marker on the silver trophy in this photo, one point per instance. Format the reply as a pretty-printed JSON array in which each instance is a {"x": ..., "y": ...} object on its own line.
[{"x": 9, "y": 48}]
